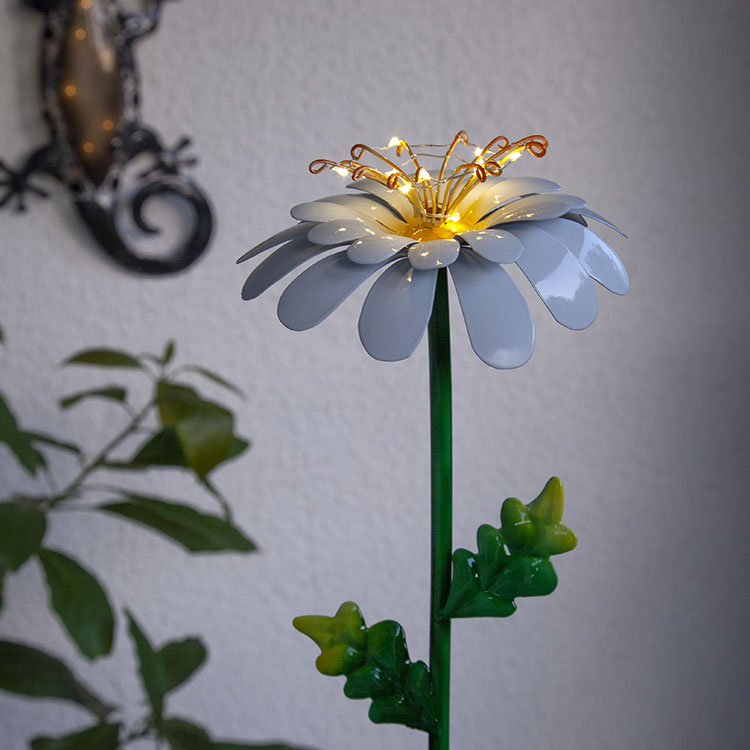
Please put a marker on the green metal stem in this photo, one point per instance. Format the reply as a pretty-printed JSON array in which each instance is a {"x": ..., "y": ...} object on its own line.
[{"x": 442, "y": 505}]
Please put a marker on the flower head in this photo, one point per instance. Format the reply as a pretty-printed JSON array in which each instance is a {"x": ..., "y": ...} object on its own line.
[{"x": 418, "y": 209}]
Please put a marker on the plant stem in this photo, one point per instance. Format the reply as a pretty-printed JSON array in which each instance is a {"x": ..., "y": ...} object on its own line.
[{"x": 442, "y": 506}]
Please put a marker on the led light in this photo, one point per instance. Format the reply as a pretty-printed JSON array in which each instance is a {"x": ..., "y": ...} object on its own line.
[
  {"x": 341, "y": 171},
  {"x": 405, "y": 188},
  {"x": 515, "y": 155},
  {"x": 477, "y": 151},
  {"x": 395, "y": 140},
  {"x": 423, "y": 175}
]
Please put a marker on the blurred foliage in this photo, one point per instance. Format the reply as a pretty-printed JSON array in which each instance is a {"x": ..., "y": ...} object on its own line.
[{"x": 176, "y": 427}]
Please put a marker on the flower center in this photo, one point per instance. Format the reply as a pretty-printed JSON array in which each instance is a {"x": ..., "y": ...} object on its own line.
[{"x": 437, "y": 201}]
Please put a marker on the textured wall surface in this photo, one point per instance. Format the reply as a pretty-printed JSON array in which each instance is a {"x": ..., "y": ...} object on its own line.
[{"x": 644, "y": 415}]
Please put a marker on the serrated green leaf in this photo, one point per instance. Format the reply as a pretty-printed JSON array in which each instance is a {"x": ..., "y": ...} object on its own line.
[
  {"x": 181, "y": 659},
  {"x": 205, "y": 430},
  {"x": 184, "y": 735},
  {"x": 80, "y": 602},
  {"x": 18, "y": 441},
  {"x": 112, "y": 393},
  {"x": 63, "y": 445},
  {"x": 196, "y": 531},
  {"x": 28, "y": 671},
  {"x": 150, "y": 666},
  {"x": 512, "y": 561},
  {"x": 100, "y": 737},
  {"x": 214, "y": 378},
  {"x": 103, "y": 358},
  {"x": 22, "y": 528},
  {"x": 376, "y": 664}
]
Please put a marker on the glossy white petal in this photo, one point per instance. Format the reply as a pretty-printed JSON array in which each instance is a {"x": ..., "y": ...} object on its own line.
[
  {"x": 342, "y": 230},
  {"x": 320, "y": 289},
  {"x": 598, "y": 259},
  {"x": 321, "y": 210},
  {"x": 558, "y": 278},
  {"x": 533, "y": 207},
  {"x": 500, "y": 191},
  {"x": 377, "y": 249},
  {"x": 433, "y": 254},
  {"x": 497, "y": 317},
  {"x": 370, "y": 207},
  {"x": 289, "y": 233},
  {"x": 279, "y": 264},
  {"x": 496, "y": 245},
  {"x": 596, "y": 217},
  {"x": 396, "y": 311},
  {"x": 395, "y": 198}
]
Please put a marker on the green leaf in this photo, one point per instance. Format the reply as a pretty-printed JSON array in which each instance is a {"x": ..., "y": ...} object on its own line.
[
  {"x": 2, "y": 581},
  {"x": 80, "y": 602},
  {"x": 512, "y": 561},
  {"x": 19, "y": 442},
  {"x": 238, "y": 447},
  {"x": 168, "y": 353},
  {"x": 183, "y": 735},
  {"x": 205, "y": 430},
  {"x": 214, "y": 378},
  {"x": 376, "y": 664},
  {"x": 63, "y": 445},
  {"x": 28, "y": 671},
  {"x": 103, "y": 358},
  {"x": 112, "y": 393},
  {"x": 196, "y": 531},
  {"x": 100, "y": 737},
  {"x": 162, "y": 449},
  {"x": 245, "y": 746},
  {"x": 151, "y": 667},
  {"x": 180, "y": 660},
  {"x": 22, "y": 528}
]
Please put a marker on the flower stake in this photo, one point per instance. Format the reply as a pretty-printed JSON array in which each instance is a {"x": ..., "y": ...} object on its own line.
[{"x": 415, "y": 227}]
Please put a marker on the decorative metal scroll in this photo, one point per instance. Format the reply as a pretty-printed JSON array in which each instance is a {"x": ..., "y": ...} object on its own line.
[{"x": 90, "y": 89}]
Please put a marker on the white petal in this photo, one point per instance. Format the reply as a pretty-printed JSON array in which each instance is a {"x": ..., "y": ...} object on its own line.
[
  {"x": 496, "y": 245},
  {"x": 598, "y": 259},
  {"x": 596, "y": 217},
  {"x": 279, "y": 264},
  {"x": 320, "y": 289},
  {"x": 285, "y": 234},
  {"x": 318, "y": 211},
  {"x": 533, "y": 207},
  {"x": 501, "y": 191},
  {"x": 433, "y": 254},
  {"x": 370, "y": 207},
  {"x": 497, "y": 317},
  {"x": 396, "y": 312},
  {"x": 342, "y": 230},
  {"x": 558, "y": 277},
  {"x": 376, "y": 249},
  {"x": 395, "y": 198}
]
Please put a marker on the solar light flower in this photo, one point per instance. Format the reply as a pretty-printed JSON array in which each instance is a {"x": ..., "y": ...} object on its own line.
[{"x": 411, "y": 225}]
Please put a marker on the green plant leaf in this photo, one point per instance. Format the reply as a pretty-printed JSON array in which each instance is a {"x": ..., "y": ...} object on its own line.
[
  {"x": 161, "y": 449},
  {"x": 205, "y": 430},
  {"x": 2, "y": 581},
  {"x": 20, "y": 444},
  {"x": 245, "y": 746},
  {"x": 112, "y": 393},
  {"x": 183, "y": 735},
  {"x": 103, "y": 358},
  {"x": 214, "y": 378},
  {"x": 22, "y": 528},
  {"x": 168, "y": 352},
  {"x": 150, "y": 666},
  {"x": 28, "y": 671},
  {"x": 100, "y": 737},
  {"x": 63, "y": 445},
  {"x": 80, "y": 602},
  {"x": 376, "y": 664},
  {"x": 180, "y": 660},
  {"x": 513, "y": 560},
  {"x": 196, "y": 531}
]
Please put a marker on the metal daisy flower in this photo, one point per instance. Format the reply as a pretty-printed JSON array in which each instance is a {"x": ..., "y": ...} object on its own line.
[{"x": 406, "y": 222}]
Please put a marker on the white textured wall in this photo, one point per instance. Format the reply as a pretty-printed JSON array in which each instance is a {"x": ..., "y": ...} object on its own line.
[{"x": 644, "y": 415}]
